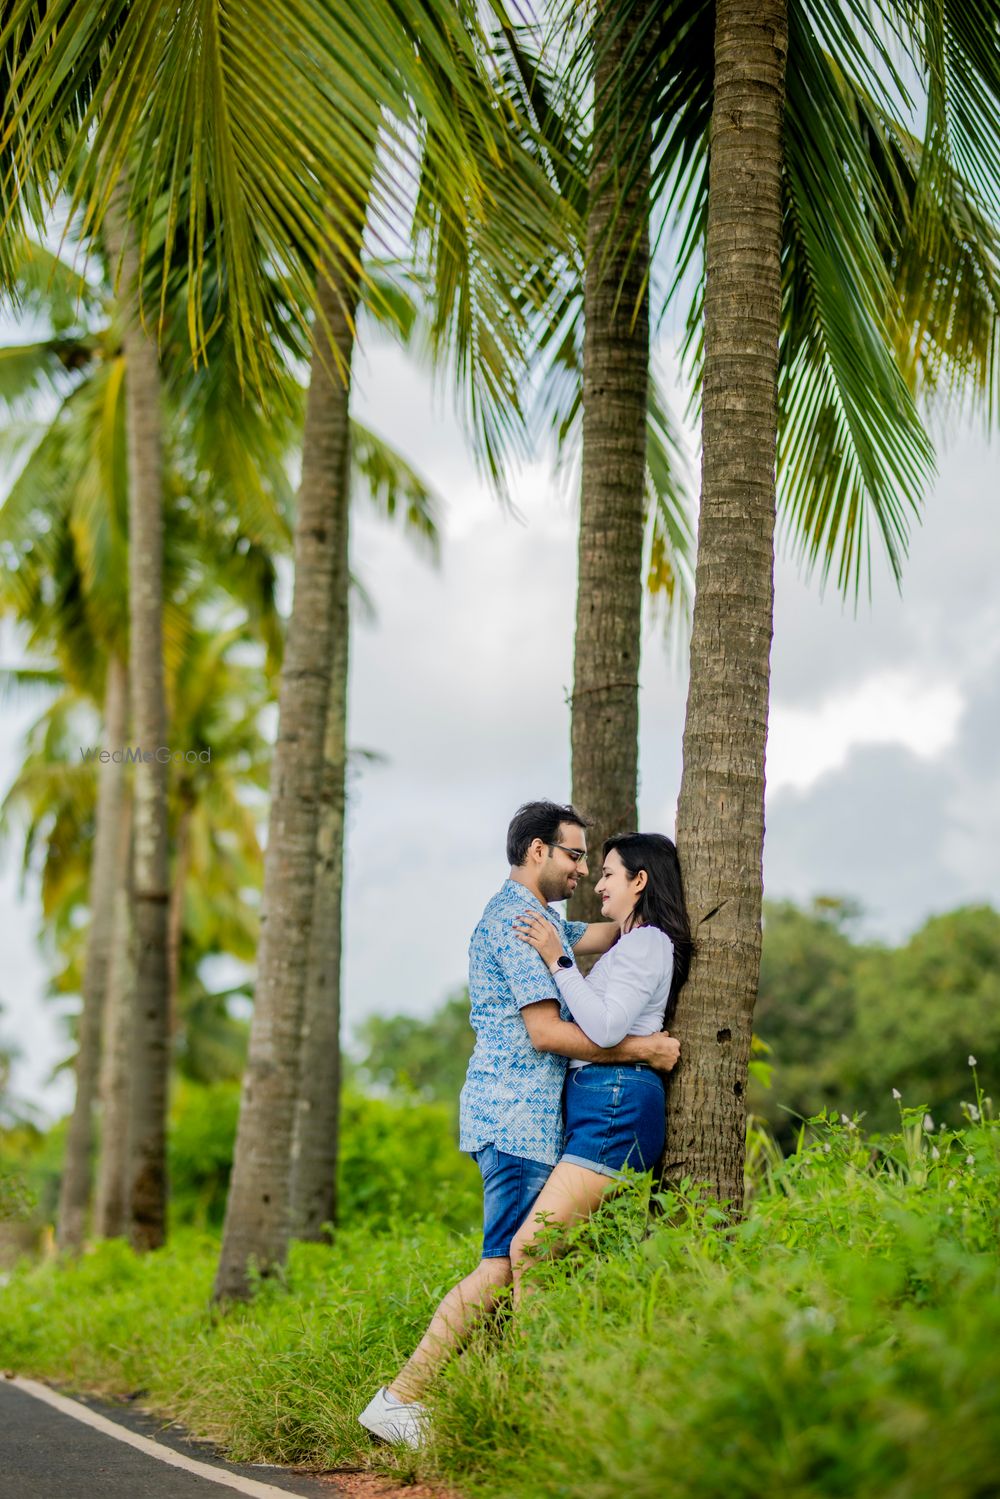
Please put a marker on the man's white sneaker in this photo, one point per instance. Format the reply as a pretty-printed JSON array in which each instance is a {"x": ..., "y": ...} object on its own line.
[{"x": 390, "y": 1419}]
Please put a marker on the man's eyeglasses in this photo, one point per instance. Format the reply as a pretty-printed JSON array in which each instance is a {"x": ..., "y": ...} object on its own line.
[{"x": 576, "y": 854}]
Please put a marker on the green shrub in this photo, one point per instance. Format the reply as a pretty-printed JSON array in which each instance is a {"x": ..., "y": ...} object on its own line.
[{"x": 398, "y": 1160}]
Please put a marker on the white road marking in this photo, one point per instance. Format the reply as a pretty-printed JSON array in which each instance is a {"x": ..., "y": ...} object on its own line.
[{"x": 164, "y": 1454}]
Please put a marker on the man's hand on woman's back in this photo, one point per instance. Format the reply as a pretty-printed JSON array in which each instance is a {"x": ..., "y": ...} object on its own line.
[{"x": 664, "y": 1050}]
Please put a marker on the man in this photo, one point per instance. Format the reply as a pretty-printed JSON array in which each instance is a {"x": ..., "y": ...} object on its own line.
[{"x": 511, "y": 1106}]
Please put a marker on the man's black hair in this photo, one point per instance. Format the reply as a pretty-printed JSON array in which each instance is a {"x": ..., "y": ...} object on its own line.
[{"x": 538, "y": 820}]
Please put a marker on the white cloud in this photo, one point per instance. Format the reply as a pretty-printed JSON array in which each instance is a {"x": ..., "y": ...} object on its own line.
[{"x": 805, "y": 744}]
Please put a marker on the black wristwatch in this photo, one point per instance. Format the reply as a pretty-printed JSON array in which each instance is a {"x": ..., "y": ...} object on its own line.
[{"x": 563, "y": 962}]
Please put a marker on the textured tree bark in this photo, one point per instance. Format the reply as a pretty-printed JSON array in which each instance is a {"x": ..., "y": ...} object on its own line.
[
  {"x": 317, "y": 1119},
  {"x": 720, "y": 825},
  {"x": 175, "y": 913},
  {"x": 150, "y": 1038},
  {"x": 74, "y": 1193},
  {"x": 605, "y": 705},
  {"x": 258, "y": 1209},
  {"x": 111, "y": 1199}
]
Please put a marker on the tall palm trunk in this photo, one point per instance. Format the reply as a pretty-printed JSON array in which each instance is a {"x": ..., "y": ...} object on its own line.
[
  {"x": 720, "y": 825},
  {"x": 74, "y": 1194},
  {"x": 605, "y": 715},
  {"x": 111, "y": 1202},
  {"x": 175, "y": 913},
  {"x": 150, "y": 1039},
  {"x": 258, "y": 1209},
  {"x": 317, "y": 1120}
]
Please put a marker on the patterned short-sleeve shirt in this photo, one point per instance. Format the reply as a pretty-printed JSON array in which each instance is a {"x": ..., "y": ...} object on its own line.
[{"x": 512, "y": 1096}]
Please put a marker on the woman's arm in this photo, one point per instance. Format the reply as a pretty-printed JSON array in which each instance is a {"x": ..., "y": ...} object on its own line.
[
  {"x": 606, "y": 1020},
  {"x": 608, "y": 1017}
]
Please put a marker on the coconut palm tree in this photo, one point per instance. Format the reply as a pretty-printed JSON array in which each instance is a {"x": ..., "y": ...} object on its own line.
[
  {"x": 605, "y": 700},
  {"x": 110, "y": 1219},
  {"x": 228, "y": 496},
  {"x": 731, "y": 631},
  {"x": 74, "y": 1193},
  {"x": 854, "y": 331},
  {"x": 212, "y": 104},
  {"x": 150, "y": 1016},
  {"x": 395, "y": 489},
  {"x": 54, "y": 799},
  {"x": 273, "y": 1129},
  {"x": 78, "y": 471}
]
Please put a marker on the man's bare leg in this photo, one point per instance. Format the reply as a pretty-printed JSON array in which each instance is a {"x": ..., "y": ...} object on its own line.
[{"x": 456, "y": 1316}]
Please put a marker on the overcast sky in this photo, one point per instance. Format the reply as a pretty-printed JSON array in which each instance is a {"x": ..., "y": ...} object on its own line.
[{"x": 883, "y": 774}]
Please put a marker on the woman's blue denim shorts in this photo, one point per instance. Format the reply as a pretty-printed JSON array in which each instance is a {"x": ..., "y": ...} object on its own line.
[
  {"x": 511, "y": 1183},
  {"x": 615, "y": 1117}
]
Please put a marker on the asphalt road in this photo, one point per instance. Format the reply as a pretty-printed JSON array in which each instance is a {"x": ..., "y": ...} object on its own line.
[{"x": 48, "y": 1454}]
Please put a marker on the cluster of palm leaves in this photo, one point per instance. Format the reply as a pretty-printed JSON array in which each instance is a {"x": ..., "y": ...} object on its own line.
[{"x": 814, "y": 187}]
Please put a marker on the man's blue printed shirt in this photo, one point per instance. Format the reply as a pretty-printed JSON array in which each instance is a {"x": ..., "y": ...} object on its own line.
[{"x": 512, "y": 1096}]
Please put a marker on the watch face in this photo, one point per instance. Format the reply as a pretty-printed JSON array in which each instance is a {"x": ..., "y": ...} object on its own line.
[{"x": 565, "y": 962}]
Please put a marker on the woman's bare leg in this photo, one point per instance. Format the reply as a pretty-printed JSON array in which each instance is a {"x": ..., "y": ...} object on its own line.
[
  {"x": 571, "y": 1193},
  {"x": 456, "y": 1316}
]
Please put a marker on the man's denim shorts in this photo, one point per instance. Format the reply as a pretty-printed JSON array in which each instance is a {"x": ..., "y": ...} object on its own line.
[
  {"x": 615, "y": 1117},
  {"x": 511, "y": 1184}
]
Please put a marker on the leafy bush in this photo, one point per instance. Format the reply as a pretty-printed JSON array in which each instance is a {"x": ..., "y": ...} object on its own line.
[
  {"x": 846, "y": 1022},
  {"x": 399, "y": 1161},
  {"x": 200, "y": 1145},
  {"x": 422, "y": 1055}
]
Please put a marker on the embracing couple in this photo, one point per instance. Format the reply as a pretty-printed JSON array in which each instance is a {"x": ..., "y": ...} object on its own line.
[{"x": 550, "y": 1139}]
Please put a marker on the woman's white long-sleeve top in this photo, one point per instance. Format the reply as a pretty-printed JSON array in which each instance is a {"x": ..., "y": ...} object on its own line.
[{"x": 626, "y": 991}]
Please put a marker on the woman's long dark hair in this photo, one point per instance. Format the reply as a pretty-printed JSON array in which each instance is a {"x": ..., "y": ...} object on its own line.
[{"x": 661, "y": 902}]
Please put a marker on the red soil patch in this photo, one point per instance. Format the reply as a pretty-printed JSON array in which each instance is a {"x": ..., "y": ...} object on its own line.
[{"x": 372, "y": 1486}]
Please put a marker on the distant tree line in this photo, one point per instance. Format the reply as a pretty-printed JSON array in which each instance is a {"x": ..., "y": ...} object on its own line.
[{"x": 844, "y": 1021}]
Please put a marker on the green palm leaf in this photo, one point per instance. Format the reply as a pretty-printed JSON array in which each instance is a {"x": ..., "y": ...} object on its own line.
[
  {"x": 395, "y": 488},
  {"x": 213, "y": 102},
  {"x": 852, "y": 450}
]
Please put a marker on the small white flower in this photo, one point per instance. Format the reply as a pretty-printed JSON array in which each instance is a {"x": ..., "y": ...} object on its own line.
[
  {"x": 972, "y": 1060},
  {"x": 951, "y": 1210},
  {"x": 844, "y": 1119},
  {"x": 928, "y": 1124},
  {"x": 973, "y": 1113},
  {"x": 970, "y": 1160},
  {"x": 935, "y": 1153},
  {"x": 827, "y": 1148},
  {"x": 896, "y": 1093},
  {"x": 951, "y": 1183}
]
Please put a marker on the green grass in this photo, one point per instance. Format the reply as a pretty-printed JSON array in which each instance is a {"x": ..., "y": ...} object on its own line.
[{"x": 843, "y": 1340}]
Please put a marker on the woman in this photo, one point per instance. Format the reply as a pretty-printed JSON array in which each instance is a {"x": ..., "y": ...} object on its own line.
[{"x": 615, "y": 1114}]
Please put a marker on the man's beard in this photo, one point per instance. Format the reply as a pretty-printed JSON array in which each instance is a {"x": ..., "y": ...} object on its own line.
[{"x": 555, "y": 886}]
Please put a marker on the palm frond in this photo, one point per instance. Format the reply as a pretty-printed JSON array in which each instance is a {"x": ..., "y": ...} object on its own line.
[
  {"x": 395, "y": 488},
  {"x": 852, "y": 452},
  {"x": 945, "y": 268},
  {"x": 23, "y": 683},
  {"x": 670, "y": 534},
  {"x": 958, "y": 45},
  {"x": 45, "y": 285},
  {"x": 26, "y": 370},
  {"x": 210, "y": 103},
  {"x": 492, "y": 270}
]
